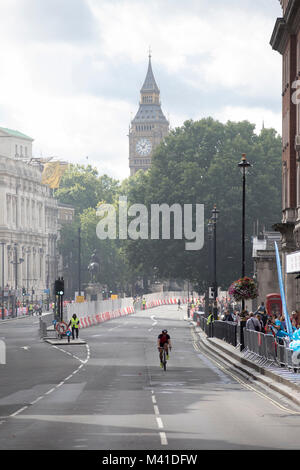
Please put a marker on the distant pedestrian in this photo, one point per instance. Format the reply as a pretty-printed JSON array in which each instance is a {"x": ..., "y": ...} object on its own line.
[
  {"x": 74, "y": 323},
  {"x": 179, "y": 304}
]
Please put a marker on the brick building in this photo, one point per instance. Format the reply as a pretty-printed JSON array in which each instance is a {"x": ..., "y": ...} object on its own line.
[{"x": 286, "y": 40}]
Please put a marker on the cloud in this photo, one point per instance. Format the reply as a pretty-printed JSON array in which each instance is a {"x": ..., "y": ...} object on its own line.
[
  {"x": 72, "y": 69},
  {"x": 56, "y": 20}
]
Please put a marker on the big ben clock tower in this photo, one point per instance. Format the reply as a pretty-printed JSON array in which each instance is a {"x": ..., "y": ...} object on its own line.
[{"x": 149, "y": 126}]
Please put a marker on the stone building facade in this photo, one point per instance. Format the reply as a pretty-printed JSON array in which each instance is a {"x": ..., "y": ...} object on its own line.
[
  {"x": 286, "y": 40},
  {"x": 149, "y": 127},
  {"x": 265, "y": 267},
  {"x": 29, "y": 221}
]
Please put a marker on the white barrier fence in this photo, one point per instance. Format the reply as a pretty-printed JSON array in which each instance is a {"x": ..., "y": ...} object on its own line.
[{"x": 95, "y": 312}]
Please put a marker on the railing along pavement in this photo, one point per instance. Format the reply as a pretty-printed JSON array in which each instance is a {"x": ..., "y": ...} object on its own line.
[{"x": 259, "y": 347}]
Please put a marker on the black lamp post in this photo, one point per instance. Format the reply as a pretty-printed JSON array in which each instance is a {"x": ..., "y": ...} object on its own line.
[
  {"x": 214, "y": 218},
  {"x": 16, "y": 263},
  {"x": 2, "y": 288},
  {"x": 244, "y": 166},
  {"x": 210, "y": 240}
]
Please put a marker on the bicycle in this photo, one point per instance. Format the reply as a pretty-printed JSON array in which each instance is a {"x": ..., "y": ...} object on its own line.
[{"x": 164, "y": 357}]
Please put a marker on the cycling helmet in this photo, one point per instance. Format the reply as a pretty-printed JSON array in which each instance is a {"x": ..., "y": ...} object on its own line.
[{"x": 164, "y": 331}]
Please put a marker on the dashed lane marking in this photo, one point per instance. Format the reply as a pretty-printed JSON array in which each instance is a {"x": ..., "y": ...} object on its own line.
[{"x": 83, "y": 362}]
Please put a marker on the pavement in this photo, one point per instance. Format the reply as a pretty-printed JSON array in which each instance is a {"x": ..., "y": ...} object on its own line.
[
  {"x": 279, "y": 379},
  {"x": 64, "y": 341}
]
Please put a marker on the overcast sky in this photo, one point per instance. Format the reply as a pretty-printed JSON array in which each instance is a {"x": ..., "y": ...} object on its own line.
[{"x": 71, "y": 70}]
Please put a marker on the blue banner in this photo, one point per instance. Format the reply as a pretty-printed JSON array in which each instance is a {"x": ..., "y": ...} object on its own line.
[{"x": 281, "y": 287}]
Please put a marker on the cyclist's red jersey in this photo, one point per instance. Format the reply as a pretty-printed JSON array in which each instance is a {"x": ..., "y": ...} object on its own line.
[{"x": 163, "y": 338}]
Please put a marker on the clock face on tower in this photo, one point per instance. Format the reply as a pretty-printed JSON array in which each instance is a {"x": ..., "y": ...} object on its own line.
[{"x": 144, "y": 147}]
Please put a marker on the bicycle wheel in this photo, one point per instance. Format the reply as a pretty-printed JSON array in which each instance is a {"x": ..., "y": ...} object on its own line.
[{"x": 165, "y": 359}]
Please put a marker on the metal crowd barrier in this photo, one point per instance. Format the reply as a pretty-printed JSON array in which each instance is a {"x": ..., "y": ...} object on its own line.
[
  {"x": 259, "y": 347},
  {"x": 265, "y": 348},
  {"x": 46, "y": 322},
  {"x": 226, "y": 331}
]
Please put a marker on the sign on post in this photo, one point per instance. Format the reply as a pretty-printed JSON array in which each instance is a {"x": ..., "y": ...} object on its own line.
[{"x": 293, "y": 262}]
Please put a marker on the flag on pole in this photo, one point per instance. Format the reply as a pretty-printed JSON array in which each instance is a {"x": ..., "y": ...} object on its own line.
[
  {"x": 52, "y": 174},
  {"x": 288, "y": 323}
]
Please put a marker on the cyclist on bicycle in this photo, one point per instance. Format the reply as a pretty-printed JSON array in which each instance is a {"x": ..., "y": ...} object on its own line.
[{"x": 163, "y": 342}]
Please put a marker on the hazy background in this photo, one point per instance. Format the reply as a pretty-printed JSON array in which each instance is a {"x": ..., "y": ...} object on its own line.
[{"x": 71, "y": 70}]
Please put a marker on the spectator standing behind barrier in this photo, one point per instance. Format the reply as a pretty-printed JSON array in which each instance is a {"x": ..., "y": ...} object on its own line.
[
  {"x": 228, "y": 316},
  {"x": 144, "y": 303},
  {"x": 253, "y": 323},
  {"x": 294, "y": 320},
  {"x": 263, "y": 313},
  {"x": 280, "y": 327},
  {"x": 74, "y": 323},
  {"x": 270, "y": 326},
  {"x": 262, "y": 324}
]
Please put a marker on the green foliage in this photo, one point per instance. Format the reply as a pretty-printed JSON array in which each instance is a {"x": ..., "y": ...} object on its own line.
[
  {"x": 197, "y": 163},
  {"x": 82, "y": 187}
]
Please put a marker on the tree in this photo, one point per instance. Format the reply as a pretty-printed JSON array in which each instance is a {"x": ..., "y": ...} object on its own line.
[
  {"x": 82, "y": 187},
  {"x": 197, "y": 164}
]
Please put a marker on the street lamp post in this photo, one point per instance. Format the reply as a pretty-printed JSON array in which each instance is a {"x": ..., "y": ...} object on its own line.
[
  {"x": 79, "y": 261},
  {"x": 2, "y": 293},
  {"x": 214, "y": 217},
  {"x": 210, "y": 240},
  {"x": 244, "y": 165},
  {"x": 16, "y": 264}
]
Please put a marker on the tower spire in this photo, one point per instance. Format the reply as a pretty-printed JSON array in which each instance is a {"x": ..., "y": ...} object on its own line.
[{"x": 150, "y": 83}]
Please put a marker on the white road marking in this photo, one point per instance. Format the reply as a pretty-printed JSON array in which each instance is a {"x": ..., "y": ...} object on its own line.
[
  {"x": 159, "y": 421},
  {"x": 154, "y": 322},
  {"x": 19, "y": 411},
  {"x": 36, "y": 400},
  {"x": 58, "y": 385}
]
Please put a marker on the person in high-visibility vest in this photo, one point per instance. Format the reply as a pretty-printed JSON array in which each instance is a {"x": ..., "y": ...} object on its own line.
[
  {"x": 210, "y": 319},
  {"x": 144, "y": 303},
  {"x": 74, "y": 323}
]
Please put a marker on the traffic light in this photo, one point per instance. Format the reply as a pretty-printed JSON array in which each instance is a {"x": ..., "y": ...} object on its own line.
[
  {"x": 59, "y": 286},
  {"x": 23, "y": 291}
]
